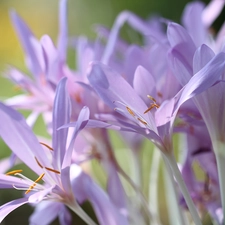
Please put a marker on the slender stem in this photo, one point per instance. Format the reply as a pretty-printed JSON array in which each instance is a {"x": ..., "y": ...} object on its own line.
[
  {"x": 137, "y": 189},
  {"x": 175, "y": 214},
  {"x": 136, "y": 170},
  {"x": 219, "y": 148},
  {"x": 153, "y": 185},
  {"x": 176, "y": 172},
  {"x": 75, "y": 207}
]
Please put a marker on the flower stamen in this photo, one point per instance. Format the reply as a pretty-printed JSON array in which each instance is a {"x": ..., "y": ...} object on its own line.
[
  {"x": 52, "y": 170},
  {"x": 47, "y": 146},
  {"x": 35, "y": 183},
  {"x": 142, "y": 121},
  {"x": 130, "y": 111},
  {"x": 39, "y": 164},
  {"x": 14, "y": 172},
  {"x": 153, "y": 105}
]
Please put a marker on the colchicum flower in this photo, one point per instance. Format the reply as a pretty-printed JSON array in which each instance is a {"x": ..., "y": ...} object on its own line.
[{"x": 63, "y": 182}]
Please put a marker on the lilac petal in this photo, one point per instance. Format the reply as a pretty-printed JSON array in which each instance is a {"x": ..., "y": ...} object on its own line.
[
  {"x": 192, "y": 20},
  {"x": 113, "y": 88},
  {"x": 10, "y": 206},
  {"x": 123, "y": 17},
  {"x": 144, "y": 83},
  {"x": 180, "y": 60},
  {"x": 177, "y": 34},
  {"x": 20, "y": 138},
  {"x": 94, "y": 124},
  {"x": 204, "y": 79},
  {"x": 62, "y": 40},
  {"x": 65, "y": 217},
  {"x": 81, "y": 123},
  {"x": 105, "y": 210},
  {"x": 30, "y": 44},
  {"x": 212, "y": 11},
  {"x": 134, "y": 57},
  {"x": 212, "y": 105},
  {"x": 49, "y": 52},
  {"x": 46, "y": 212},
  {"x": 65, "y": 178},
  {"x": 61, "y": 116},
  {"x": 202, "y": 56},
  {"x": 115, "y": 188},
  {"x": 40, "y": 195},
  {"x": 7, "y": 181}
]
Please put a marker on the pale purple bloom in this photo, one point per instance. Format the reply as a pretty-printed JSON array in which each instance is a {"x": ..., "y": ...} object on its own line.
[{"x": 62, "y": 182}]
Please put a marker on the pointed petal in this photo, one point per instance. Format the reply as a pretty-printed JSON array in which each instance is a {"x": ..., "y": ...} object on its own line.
[
  {"x": 204, "y": 79},
  {"x": 10, "y": 206},
  {"x": 61, "y": 116},
  {"x": 46, "y": 212},
  {"x": 177, "y": 34},
  {"x": 212, "y": 11},
  {"x": 20, "y": 138},
  {"x": 40, "y": 195},
  {"x": 192, "y": 20},
  {"x": 202, "y": 56},
  {"x": 30, "y": 44},
  {"x": 62, "y": 40},
  {"x": 81, "y": 123},
  {"x": 144, "y": 83},
  {"x": 7, "y": 181},
  {"x": 111, "y": 87},
  {"x": 123, "y": 17},
  {"x": 106, "y": 211}
]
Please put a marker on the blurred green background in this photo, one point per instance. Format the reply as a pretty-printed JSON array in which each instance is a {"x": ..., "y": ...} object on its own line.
[{"x": 42, "y": 17}]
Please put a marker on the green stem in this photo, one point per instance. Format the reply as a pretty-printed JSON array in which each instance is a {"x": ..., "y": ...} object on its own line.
[
  {"x": 175, "y": 214},
  {"x": 176, "y": 172},
  {"x": 153, "y": 186},
  {"x": 219, "y": 149},
  {"x": 75, "y": 207}
]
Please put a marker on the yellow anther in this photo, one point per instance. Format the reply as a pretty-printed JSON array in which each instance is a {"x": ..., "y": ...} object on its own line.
[
  {"x": 153, "y": 105},
  {"x": 151, "y": 98},
  {"x": 14, "y": 172},
  {"x": 130, "y": 111},
  {"x": 47, "y": 146},
  {"x": 142, "y": 121},
  {"x": 52, "y": 170},
  {"x": 35, "y": 183}
]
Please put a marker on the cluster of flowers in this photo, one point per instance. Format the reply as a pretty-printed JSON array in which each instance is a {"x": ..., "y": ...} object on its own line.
[{"x": 173, "y": 83}]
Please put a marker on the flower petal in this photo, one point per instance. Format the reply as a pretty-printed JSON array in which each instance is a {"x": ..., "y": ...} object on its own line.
[
  {"x": 10, "y": 206},
  {"x": 61, "y": 116},
  {"x": 46, "y": 212},
  {"x": 20, "y": 138},
  {"x": 30, "y": 45},
  {"x": 81, "y": 123},
  {"x": 204, "y": 79}
]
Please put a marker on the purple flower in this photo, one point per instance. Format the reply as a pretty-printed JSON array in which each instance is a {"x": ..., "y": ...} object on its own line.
[{"x": 43, "y": 160}]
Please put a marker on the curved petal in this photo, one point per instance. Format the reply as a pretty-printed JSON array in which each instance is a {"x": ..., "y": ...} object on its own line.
[
  {"x": 61, "y": 116},
  {"x": 30, "y": 45},
  {"x": 112, "y": 88},
  {"x": 10, "y": 206},
  {"x": 81, "y": 123},
  {"x": 47, "y": 211},
  {"x": 192, "y": 20},
  {"x": 204, "y": 79},
  {"x": 62, "y": 39},
  {"x": 105, "y": 210},
  {"x": 20, "y": 138},
  {"x": 7, "y": 181}
]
